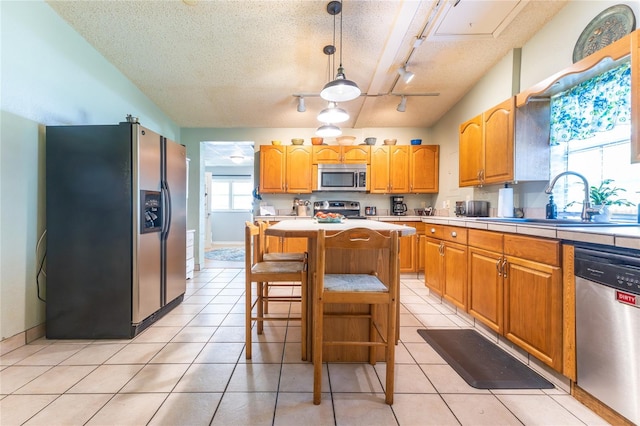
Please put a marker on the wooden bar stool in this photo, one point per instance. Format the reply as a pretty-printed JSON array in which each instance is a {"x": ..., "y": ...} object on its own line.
[
  {"x": 270, "y": 273},
  {"x": 274, "y": 256},
  {"x": 359, "y": 287}
]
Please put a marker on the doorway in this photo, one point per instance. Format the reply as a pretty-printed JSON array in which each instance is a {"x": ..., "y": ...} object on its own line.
[{"x": 229, "y": 184}]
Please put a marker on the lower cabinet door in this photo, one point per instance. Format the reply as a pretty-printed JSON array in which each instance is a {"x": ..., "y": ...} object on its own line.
[
  {"x": 486, "y": 287},
  {"x": 533, "y": 309},
  {"x": 434, "y": 266},
  {"x": 455, "y": 274}
]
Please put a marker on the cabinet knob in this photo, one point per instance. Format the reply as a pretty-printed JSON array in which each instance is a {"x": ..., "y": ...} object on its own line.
[
  {"x": 454, "y": 234},
  {"x": 433, "y": 230}
]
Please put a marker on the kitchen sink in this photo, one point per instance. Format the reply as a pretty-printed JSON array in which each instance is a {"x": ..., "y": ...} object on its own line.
[{"x": 553, "y": 222}]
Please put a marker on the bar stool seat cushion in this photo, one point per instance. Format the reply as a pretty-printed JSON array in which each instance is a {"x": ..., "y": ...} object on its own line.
[{"x": 353, "y": 282}]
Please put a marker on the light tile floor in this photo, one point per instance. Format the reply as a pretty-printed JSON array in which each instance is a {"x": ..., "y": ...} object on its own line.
[{"x": 189, "y": 369}]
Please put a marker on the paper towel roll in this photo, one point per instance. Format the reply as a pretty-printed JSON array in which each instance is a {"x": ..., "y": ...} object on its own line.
[{"x": 505, "y": 202}]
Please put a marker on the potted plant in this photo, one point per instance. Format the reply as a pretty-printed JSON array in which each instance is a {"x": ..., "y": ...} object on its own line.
[{"x": 604, "y": 196}]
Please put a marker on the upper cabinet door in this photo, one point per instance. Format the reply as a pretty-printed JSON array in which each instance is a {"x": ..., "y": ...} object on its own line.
[
  {"x": 398, "y": 170},
  {"x": 359, "y": 154},
  {"x": 498, "y": 142},
  {"x": 326, "y": 154},
  {"x": 379, "y": 172},
  {"x": 272, "y": 169},
  {"x": 299, "y": 177},
  {"x": 471, "y": 151},
  {"x": 424, "y": 169}
]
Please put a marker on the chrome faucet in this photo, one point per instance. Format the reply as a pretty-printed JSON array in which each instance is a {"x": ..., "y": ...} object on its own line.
[{"x": 587, "y": 211}]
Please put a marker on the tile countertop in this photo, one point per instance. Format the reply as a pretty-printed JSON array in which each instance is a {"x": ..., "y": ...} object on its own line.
[
  {"x": 618, "y": 236},
  {"x": 380, "y": 218},
  {"x": 623, "y": 236}
]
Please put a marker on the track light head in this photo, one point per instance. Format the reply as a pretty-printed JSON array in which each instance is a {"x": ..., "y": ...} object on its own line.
[
  {"x": 402, "y": 106},
  {"x": 407, "y": 76},
  {"x": 301, "y": 106}
]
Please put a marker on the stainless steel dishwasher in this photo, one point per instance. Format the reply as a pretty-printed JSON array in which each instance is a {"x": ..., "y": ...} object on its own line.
[{"x": 608, "y": 327}]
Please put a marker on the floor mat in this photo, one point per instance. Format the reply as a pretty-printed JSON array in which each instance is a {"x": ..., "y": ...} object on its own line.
[
  {"x": 228, "y": 254},
  {"x": 481, "y": 363}
]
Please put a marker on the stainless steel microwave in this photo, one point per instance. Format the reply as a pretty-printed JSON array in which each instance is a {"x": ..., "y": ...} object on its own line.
[{"x": 342, "y": 177}]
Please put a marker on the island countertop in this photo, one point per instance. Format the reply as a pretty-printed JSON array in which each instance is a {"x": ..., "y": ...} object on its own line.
[{"x": 309, "y": 228}]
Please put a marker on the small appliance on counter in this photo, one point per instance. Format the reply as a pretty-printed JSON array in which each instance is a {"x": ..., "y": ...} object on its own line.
[
  {"x": 472, "y": 208},
  {"x": 349, "y": 209},
  {"x": 398, "y": 207},
  {"x": 370, "y": 211},
  {"x": 300, "y": 207}
]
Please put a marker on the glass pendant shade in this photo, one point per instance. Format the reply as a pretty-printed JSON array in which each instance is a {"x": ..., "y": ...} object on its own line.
[
  {"x": 340, "y": 89},
  {"x": 333, "y": 114},
  {"x": 328, "y": 130}
]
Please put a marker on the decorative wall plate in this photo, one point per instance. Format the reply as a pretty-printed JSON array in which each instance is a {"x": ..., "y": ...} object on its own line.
[{"x": 610, "y": 25}]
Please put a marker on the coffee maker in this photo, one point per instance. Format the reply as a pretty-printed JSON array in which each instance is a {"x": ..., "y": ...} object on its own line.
[{"x": 398, "y": 207}]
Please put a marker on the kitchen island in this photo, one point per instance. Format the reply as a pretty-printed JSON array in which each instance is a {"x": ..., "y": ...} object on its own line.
[{"x": 341, "y": 261}]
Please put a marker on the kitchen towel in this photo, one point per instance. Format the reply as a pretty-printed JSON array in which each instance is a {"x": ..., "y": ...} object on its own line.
[{"x": 505, "y": 202}]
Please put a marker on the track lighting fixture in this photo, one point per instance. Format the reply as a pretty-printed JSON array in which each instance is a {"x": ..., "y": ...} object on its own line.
[
  {"x": 407, "y": 76},
  {"x": 301, "y": 106},
  {"x": 340, "y": 89},
  {"x": 402, "y": 106},
  {"x": 328, "y": 130},
  {"x": 333, "y": 114}
]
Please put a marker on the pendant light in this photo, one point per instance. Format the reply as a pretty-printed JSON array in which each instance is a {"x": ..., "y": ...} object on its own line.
[
  {"x": 333, "y": 114},
  {"x": 340, "y": 89},
  {"x": 328, "y": 130}
]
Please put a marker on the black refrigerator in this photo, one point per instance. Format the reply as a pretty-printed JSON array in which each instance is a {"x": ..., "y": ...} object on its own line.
[{"x": 116, "y": 229}]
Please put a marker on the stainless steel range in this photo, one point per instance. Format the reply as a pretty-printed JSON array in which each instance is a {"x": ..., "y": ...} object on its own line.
[{"x": 349, "y": 209}]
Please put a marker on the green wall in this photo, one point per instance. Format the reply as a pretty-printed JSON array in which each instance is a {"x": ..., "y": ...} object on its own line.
[{"x": 50, "y": 75}]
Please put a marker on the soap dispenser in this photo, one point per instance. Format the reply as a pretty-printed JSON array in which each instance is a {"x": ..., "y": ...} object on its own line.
[{"x": 552, "y": 210}]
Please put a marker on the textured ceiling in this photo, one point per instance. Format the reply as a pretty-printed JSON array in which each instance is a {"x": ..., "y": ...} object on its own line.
[{"x": 221, "y": 63}]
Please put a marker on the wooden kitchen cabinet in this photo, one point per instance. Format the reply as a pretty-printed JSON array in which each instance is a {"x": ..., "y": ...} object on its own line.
[
  {"x": 515, "y": 288},
  {"x": 505, "y": 145},
  {"x": 341, "y": 154},
  {"x": 445, "y": 270},
  {"x": 285, "y": 245},
  {"x": 404, "y": 169},
  {"x": 424, "y": 169},
  {"x": 294, "y": 245},
  {"x": 471, "y": 152},
  {"x": 485, "y": 278},
  {"x": 499, "y": 123},
  {"x": 285, "y": 169},
  {"x": 379, "y": 175},
  {"x": 533, "y": 297},
  {"x": 408, "y": 249},
  {"x": 298, "y": 166},
  {"x": 434, "y": 265},
  {"x": 486, "y": 146},
  {"x": 398, "y": 169},
  {"x": 273, "y": 169},
  {"x": 533, "y": 309}
]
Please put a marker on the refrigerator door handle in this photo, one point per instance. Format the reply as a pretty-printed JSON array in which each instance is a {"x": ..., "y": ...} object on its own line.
[{"x": 167, "y": 209}]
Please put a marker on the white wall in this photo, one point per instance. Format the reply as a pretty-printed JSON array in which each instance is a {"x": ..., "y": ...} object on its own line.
[{"x": 50, "y": 75}]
